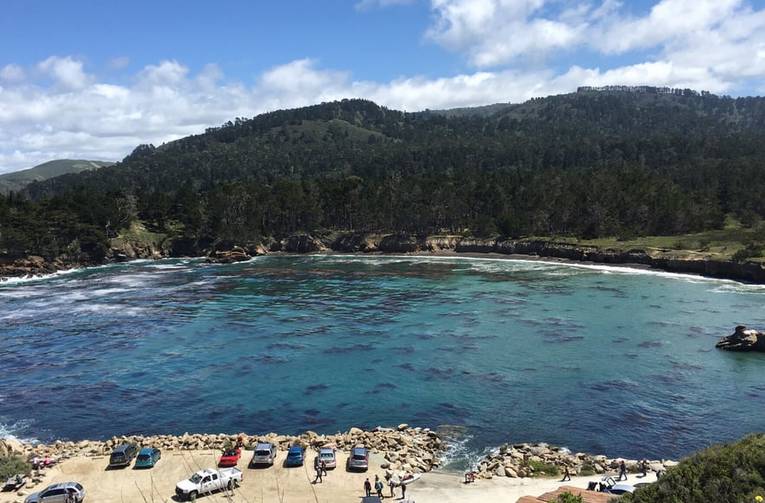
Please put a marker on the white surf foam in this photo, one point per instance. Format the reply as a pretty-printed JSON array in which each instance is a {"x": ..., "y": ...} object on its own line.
[
  {"x": 542, "y": 264},
  {"x": 11, "y": 431}
]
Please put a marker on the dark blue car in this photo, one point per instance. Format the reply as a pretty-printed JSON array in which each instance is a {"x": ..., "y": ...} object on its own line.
[{"x": 295, "y": 456}]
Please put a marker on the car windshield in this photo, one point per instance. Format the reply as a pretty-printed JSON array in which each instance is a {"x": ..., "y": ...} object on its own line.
[
  {"x": 327, "y": 455},
  {"x": 359, "y": 457},
  {"x": 196, "y": 478},
  {"x": 143, "y": 457},
  {"x": 262, "y": 453},
  {"x": 230, "y": 452}
]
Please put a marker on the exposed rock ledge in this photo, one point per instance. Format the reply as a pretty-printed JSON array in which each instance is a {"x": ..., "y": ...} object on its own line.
[{"x": 744, "y": 340}]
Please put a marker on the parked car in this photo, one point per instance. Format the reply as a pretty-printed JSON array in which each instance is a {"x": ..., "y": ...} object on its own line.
[
  {"x": 611, "y": 486},
  {"x": 147, "y": 458},
  {"x": 295, "y": 456},
  {"x": 15, "y": 482},
  {"x": 328, "y": 455},
  {"x": 63, "y": 492},
  {"x": 122, "y": 455},
  {"x": 230, "y": 457},
  {"x": 207, "y": 482},
  {"x": 265, "y": 454},
  {"x": 359, "y": 459}
]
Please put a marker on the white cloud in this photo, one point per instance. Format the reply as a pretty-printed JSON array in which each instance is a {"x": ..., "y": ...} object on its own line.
[
  {"x": 492, "y": 32},
  {"x": 67, "y": 71},
  {"x": 12, "y": 73}
]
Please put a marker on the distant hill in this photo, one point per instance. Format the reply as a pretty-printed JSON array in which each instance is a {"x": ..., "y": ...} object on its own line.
[{"x": 19, "y": 179}]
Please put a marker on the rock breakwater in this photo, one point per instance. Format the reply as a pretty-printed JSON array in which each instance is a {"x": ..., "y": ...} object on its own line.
[{"x": 535, "y": 460}]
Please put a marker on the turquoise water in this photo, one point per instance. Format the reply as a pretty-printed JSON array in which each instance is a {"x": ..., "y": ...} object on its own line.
[{"x": 595, "y": 358}]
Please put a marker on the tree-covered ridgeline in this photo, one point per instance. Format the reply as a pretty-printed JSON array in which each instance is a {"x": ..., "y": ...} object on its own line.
[{"x": 587, "y": 164}]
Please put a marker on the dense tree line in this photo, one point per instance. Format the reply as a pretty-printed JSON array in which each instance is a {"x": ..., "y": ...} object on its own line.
[{"x": 586, "y": 164}]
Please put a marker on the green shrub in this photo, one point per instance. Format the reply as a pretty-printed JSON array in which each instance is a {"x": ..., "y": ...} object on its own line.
[
  {"x": 542, "y": 469},
  {"x": 751, "y": 250},
  {"x": 587, "y": 470},
  {"x": 12, "y": 465},
  {"x": 568, "y": 498},
  {"x": 729, "y": 473}
]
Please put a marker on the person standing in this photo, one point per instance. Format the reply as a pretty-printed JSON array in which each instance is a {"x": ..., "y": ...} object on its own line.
[
  {"x": 392, "y": 486},
  {"x": 622, "y": 470},
  {"x": 566, "y": 474},
  {"x": 403, "y": 491},
  {"x": 367, "y": 488},
  {"x": 317, "y": 468},
  {"x": 378, "y": 487}
]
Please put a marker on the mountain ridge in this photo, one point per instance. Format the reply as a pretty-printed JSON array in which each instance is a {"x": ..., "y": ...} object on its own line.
[{"x": 17, "y": 180}]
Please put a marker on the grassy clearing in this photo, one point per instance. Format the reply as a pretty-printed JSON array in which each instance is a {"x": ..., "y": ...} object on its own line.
[
  {"x": 721, "y": 244},
  {"x": 138, "y": 233}
]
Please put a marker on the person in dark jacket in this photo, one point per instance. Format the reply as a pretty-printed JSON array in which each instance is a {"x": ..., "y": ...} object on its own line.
[{"x": 367, "y": 488}]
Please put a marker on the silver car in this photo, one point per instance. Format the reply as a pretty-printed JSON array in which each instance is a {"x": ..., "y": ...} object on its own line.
[
  {"x": 58, "y": 493},
  {"x": 327, "y": 455},
  {"x": 265, "y": 454},
  {"x": 359, "y": 459}
]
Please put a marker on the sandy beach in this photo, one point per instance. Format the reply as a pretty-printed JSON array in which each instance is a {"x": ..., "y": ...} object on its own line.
[{"x": 277, "y": 483}]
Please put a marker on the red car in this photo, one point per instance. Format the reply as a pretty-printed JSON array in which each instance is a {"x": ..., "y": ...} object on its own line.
[{"x": 230, "y": 457}]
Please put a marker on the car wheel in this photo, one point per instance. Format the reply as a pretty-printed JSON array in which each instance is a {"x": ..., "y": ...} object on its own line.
[
  {"x": 230, "y": 485},
  {"x": 193, "y": 496}
]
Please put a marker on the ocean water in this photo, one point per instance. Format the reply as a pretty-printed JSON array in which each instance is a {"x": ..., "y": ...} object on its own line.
[{"x": 599, "y": 359}]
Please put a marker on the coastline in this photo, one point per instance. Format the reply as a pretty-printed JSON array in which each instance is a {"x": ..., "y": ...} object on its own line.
[
  {"x": 395, "y": 452},
  {"x": 747, "y": 273}
]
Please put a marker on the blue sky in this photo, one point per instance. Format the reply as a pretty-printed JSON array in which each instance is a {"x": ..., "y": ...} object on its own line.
[{"x": 91, "y": 79}]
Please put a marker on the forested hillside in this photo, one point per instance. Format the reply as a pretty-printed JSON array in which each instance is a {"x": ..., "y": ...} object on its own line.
[{"x": 588, "y": 164}]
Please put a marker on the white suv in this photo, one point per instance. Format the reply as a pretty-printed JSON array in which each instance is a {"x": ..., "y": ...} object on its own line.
[{"x": 58, "y": 493}]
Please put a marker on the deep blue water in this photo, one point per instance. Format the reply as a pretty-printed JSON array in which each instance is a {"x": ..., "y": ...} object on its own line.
[{"x": 597, "y": 359}]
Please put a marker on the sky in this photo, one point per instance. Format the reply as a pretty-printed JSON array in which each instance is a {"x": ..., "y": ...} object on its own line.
[{"x": 91, "y": 79}]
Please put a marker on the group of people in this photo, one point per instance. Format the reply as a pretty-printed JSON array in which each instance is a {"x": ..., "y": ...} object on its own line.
[
  {"x": 379, "y": 486},
  {"x": 320, "y": 467}
]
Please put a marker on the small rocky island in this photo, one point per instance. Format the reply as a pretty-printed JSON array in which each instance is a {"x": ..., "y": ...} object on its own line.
[{"x": 743, "y": 339}]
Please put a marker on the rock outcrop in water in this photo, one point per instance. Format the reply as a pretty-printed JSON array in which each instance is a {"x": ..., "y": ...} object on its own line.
[
  {"x": 744, "y": 340},
  {"x": 236, "y": 254}
]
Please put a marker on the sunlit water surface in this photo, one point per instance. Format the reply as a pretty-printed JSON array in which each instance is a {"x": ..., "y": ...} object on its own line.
[{"x": 594, "y": 358}]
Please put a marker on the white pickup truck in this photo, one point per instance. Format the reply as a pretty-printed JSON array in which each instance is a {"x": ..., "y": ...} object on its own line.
[{"x": 208, "y": 481}]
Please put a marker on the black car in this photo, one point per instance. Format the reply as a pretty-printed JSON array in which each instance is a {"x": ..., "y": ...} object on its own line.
[{"x": 123, "y": 455}]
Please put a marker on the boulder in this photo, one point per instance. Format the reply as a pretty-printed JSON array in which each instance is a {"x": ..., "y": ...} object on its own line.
[
  {"x": 236, "y": 254},
  {"x": 743, "y": 339}
]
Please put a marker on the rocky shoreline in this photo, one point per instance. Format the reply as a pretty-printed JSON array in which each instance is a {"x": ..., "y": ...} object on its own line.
[
  {"x": 535, "y": 460},
  {"x": 370, "y": 243},
  {"x": 405, "y": 449}
]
